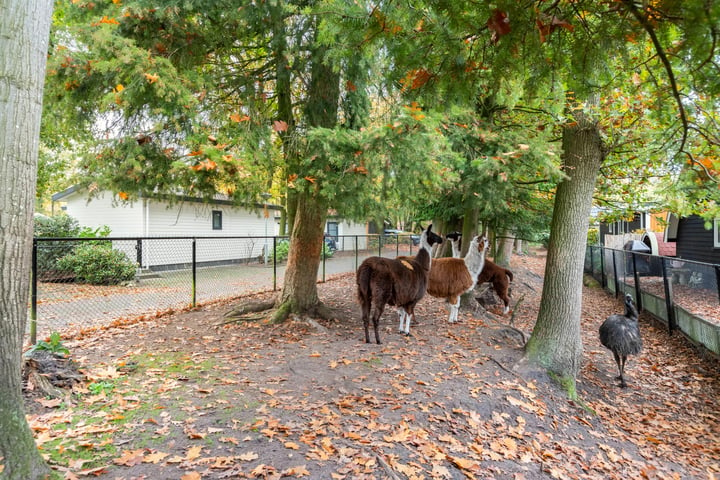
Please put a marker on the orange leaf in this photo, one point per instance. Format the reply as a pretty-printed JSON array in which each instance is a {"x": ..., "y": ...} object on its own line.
[
  {"x": 123, "y": 195},
  {"x": 130, "y": 458},
  {"x": 280, "y": 126},
  {"x": 499, "y": 24},
  {"x": 299, "y": 471},
  {"x": 193, "y": 453},
  {"x": 236, "y": 117},
  {"x": 151, "y": 78},
  {"x": 195, "y": 153},
  {"x": 310, "y": 179}
]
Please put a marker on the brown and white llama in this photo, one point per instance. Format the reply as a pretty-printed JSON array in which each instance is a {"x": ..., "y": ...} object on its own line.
[
  {"x": 500, "y": 278},
  {"x": 397, "y": 282},
  {"x": 450, "y": 278}
]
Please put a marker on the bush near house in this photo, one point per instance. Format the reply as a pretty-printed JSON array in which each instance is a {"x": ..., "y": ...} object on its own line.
[{"x": 98, "y": 264}]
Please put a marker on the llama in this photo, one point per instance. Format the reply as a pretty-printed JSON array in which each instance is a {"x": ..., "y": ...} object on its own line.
[
  {"x": 621, "y": 335},
  {"x": 398, "y": 282},
  {"x": 451, "y": 277},
  {"x": 500, "y": 278},
  {"x": 454, "y": 238}
]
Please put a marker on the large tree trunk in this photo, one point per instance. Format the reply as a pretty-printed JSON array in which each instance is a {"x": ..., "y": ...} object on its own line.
[
  {"x": 555, "y": 343},
  {"x": 24, "y": 34},
  {"x": 299, "y": 293},
  {"x": 505, "y": 241},
  {"x": 300, "y": 288}
]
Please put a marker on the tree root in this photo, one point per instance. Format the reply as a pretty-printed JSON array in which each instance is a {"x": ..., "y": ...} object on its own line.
[{"x": 251, "y": 307}]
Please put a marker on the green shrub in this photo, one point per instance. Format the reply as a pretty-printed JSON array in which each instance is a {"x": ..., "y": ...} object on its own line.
[
  {"x": 98, "y": 264},
  {"x": 53, "y": 345},
  {"x": 59, "y": 226},
  {"x": 282, "y": 249}
]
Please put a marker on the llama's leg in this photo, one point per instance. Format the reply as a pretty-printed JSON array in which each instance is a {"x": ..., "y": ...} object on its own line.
[
  {"x": 401, "y": 316},
  {"x": 366, "y": 319},
  {"x": 454, "y": 310},
  {"x": 409, "y": 313},
  {"x": 376, "y": 320}
]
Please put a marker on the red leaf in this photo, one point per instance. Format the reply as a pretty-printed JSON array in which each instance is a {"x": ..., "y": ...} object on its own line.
[{"x": 499, "y": 24}]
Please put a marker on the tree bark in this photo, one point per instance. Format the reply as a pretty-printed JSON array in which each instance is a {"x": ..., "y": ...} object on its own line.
[
  {"x": 504, "y": 248},
  {"x": 556, "y": 343},
  {"x": 299, "y": 293},
  {"x": 24, "y": 36}
]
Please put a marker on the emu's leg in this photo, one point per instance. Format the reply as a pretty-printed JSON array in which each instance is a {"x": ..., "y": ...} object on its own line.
[{"x": 622, "y": 371}]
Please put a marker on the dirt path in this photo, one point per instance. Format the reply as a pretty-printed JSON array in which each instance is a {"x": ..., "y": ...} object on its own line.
[{"x": 189, "y": 396}]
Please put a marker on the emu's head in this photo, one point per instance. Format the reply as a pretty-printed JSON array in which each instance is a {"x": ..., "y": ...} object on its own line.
[
  {"x": 429, "y": 237},
  {"x": 630, "y": 309}
]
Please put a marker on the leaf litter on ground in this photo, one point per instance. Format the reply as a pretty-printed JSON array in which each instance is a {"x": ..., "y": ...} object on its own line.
[{"x": 209, "y": 399}]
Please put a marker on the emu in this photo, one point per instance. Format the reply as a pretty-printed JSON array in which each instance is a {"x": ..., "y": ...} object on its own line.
[
  {"x": 621, "y": 335},
  {"x": 500, "y": 278},
  {"x": 451, "y": 277},
  {"x": 400, "y": 282}
]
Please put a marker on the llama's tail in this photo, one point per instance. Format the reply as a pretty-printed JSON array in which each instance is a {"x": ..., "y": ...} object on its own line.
[
  {"x": 363, "y": 282},
  {"x": 509, "y": 274}
]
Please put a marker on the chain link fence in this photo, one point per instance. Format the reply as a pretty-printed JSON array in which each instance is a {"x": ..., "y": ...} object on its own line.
[
  {"x": 88, "y": 282},
  {"x": 683, "y": 294}
]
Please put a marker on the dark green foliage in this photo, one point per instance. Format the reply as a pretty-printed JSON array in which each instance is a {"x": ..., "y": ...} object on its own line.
[
  {"x": 53, "y": 345},
  {"x": 98, "y": 264}
]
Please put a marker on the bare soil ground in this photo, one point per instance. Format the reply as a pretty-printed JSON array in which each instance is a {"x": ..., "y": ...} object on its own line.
[{"x": 191, "y": 396}]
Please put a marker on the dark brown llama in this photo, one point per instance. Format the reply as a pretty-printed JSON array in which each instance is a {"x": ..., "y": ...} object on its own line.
[
  {"x": 500, "y": 278},
  {"x": 397, "y": 282}
]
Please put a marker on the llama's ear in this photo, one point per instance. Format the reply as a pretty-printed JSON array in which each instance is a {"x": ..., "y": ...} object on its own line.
[{"x": 429, "y": 229}]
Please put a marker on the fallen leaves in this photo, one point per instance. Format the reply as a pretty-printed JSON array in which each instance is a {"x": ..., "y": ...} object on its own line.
[{"x": 246, "y": 401}]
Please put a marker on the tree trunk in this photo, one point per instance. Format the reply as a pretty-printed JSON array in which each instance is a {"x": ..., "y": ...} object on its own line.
[
  {"x": 556, "y": 343},
  {"x": 300, "y": 288},
  {"x": 299, "y": 293},
  {"x": 505, "y": 242},
  {"x": 24, "y": 34},
  {"x": 469, "y": 228}
]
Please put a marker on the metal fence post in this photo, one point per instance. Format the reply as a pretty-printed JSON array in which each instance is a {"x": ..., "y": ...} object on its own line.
[
  {"x": 274, "y": 264},
  {"x": 636, "y": 276},
  {"x": 194, "y": 272},
  {"x": 356, "y": 252},
  {"x": 33, "y": 295},
  {"x": 138, "y": 250},
  {"x": 615, "y": 273},
  {"x": 603, "y": 277},
  {"x": 668, "y": 299},
  {"x": 323, "y": 256},
  {"x": 717, "y": 280}
]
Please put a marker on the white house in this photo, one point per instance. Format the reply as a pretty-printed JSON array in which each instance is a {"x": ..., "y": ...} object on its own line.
[{"x": 222, "y": 231}]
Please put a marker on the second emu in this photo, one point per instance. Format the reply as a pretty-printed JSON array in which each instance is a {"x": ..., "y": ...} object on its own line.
[{"x": 621, "y": 335}]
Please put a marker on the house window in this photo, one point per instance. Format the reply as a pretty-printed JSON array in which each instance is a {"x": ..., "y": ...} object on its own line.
[
  {"x": 332, "y": 230},
  {"x": 217, "y": 220},
  {"x": 716, "y": 232}
]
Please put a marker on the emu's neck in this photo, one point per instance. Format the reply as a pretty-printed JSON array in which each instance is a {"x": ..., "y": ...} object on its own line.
[{"x": 631, "y": 311}]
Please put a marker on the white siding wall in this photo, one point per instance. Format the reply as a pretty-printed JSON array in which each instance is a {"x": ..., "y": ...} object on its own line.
[
  {"x": 124, "y": 221},
  {"x": 348, "y": 228}
]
